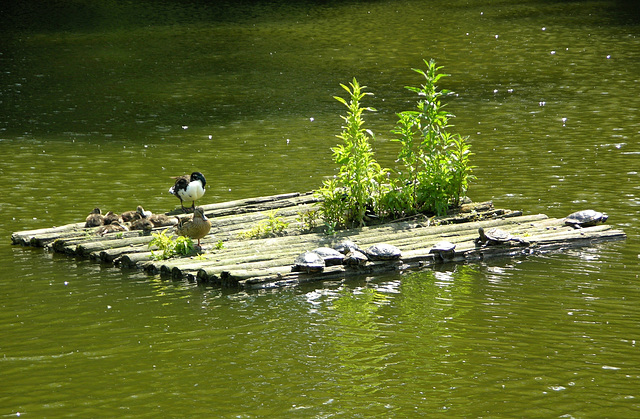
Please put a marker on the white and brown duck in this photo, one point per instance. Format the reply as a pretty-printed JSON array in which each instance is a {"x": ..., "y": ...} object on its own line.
[{"x": 189, "y": 189}]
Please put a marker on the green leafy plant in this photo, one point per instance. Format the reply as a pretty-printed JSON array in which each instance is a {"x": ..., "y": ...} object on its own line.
[
  {"x": 434, "y": 165},
  {"x": 308, "y": 219},
  {"x": 357, "y": 187},
  {"x": 168, "y": 247},
  {"x": 274, "y": 225},
  {"x": 436, "y": 170}
]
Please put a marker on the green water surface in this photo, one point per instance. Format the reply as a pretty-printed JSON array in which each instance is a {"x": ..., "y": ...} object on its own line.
[{"x": 102, "y": 102}]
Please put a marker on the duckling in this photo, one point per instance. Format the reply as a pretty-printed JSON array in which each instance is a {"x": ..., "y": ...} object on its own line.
[
  {"x": 110, "y": 217},
  {"x": 189, "y": 188},
  {"x": 195, "y": 227},
  {"x": 114, "y": 227},
  {"x": 139, "y": 213},
  {"x": 129, "y": 216},
  {"x": 94, "y": 219},
  {"x": 143, "y": 224},
  {"x": 161, "y": 220}
]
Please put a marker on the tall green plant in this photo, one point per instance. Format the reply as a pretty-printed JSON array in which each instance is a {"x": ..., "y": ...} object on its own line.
[
  {"x": 436, "y": 169},
  {"x": 356, "y": 188}
]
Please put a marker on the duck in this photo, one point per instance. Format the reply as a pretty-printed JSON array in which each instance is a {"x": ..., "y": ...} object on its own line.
[
  {"x": 114, "y": 227},
  {"x": 139, "y": 213},
  {"x": 189, "y": 189},
  {"x": 195, "y": 227},
  {"x": 110, "y": 217},
  {"x": 94, "y": 219}
]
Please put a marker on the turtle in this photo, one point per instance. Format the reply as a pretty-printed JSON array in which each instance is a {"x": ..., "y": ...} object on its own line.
[
  {"x": 585, "y": 218},
  {"x": 331, "y": 256},
  {"x": 355, "y": 258},
  {"x": 495, "y": 236},
  {"x": 383, "y": 251},
  {"x": 443, "y": 250},
  {"x": 346, "y": 246},
  {"x": 308, "y": 262}
]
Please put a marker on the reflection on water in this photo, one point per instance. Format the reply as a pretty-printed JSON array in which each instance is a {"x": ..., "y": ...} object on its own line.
[{"x": 102, "y": 103}]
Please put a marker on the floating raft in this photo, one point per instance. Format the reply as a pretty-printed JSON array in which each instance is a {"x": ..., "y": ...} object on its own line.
[{"x": 267, "y": 262}]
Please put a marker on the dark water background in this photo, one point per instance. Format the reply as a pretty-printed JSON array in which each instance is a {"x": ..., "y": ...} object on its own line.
[{"x": 102, "y": 102}]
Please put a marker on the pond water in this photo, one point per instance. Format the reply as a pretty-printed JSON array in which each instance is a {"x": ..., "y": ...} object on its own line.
[{"x": 103, "y": 103}]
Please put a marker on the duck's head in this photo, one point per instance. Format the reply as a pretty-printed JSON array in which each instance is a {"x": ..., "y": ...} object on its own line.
[
  {"x": 199, "y": 212},
  {"x": 96, "y": 210},
  {"x": 198, "y": 176}
]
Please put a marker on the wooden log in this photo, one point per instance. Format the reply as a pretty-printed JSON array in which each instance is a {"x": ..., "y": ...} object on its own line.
[
  {"x": 134, "y": 260},
  {"x": 110, "y": 255},
  {"x": 33, "y": 237},
  {"x": 256, "y": 204},
  {"x": 330, "y": 273},
  {"x": 87, "y": 247}
]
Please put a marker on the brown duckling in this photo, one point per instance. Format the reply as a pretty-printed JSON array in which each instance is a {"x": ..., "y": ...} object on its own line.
[
  {"x": 139, "y": 213},
  {"x": 143, "y": 224},
  {"x": 114, "y": 227},
  {"x": 195, "y": 227},
  {"x": 110, "y": 217},
  {"x": 94, "y": 219},
  {"x": 161, "y": 220}
]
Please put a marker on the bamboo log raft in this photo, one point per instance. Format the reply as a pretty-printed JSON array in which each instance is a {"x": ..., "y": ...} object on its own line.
[{"x": 267, "y": 262}]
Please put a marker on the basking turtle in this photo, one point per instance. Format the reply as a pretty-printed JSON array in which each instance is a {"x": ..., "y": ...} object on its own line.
[
  {"x": 585, "y": 218},
  {"x": 346, "y": 246},
  {"x": 383, "y": 251},
  {"x": 331, "y": 257},
  {"x": 308, "y": 262},
  {"x": 495, "y": 236},
  {"x": 443, "y": 250},
  {"x": 355, "y": 258}
]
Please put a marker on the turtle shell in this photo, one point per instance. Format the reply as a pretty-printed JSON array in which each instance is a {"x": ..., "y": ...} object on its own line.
[
  {"x": 383, "y": 251},
  {"x": 330, "y": 256},
  {"x": 497, "y": 235},
  {"x": 443, "y": 250},
  {"x": 355, "y": 258},
  {"x": 346, "y": 246},
  {"x": 308, "y": 262},
  {"x": 585, "y": 218},
  {"x": 443, "y": 246}
]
